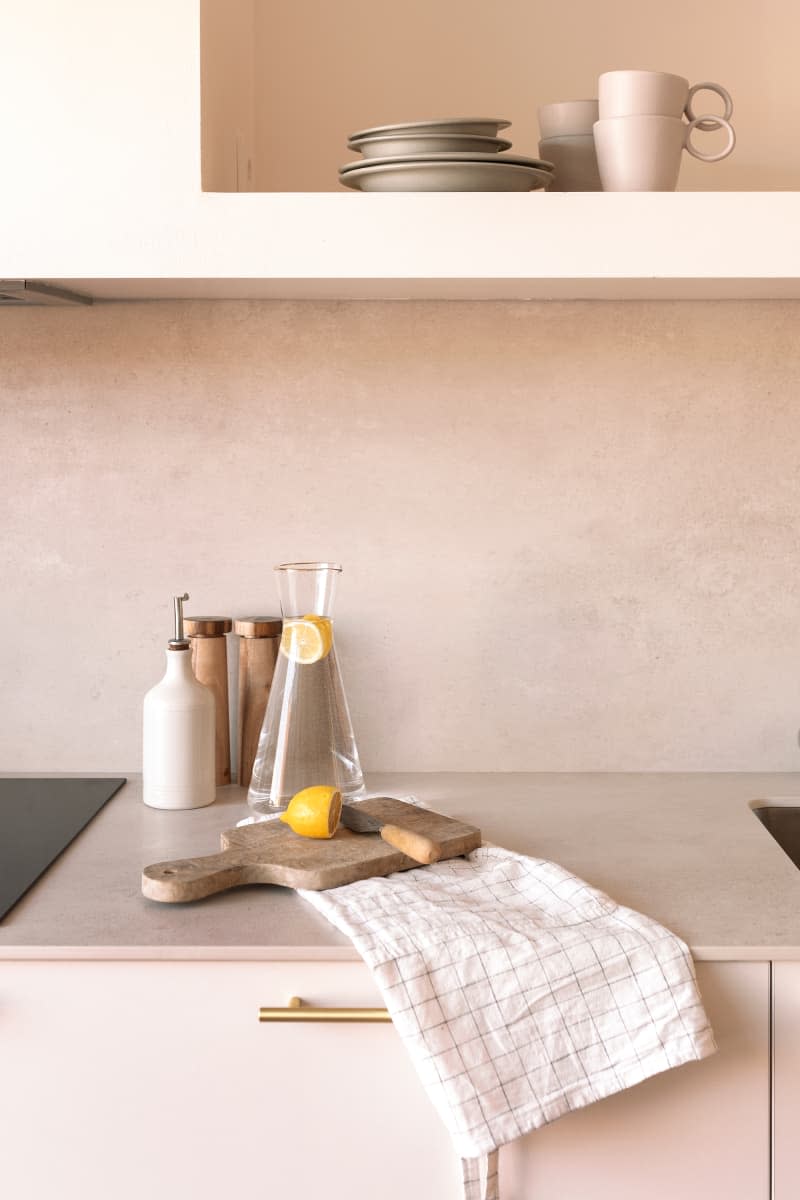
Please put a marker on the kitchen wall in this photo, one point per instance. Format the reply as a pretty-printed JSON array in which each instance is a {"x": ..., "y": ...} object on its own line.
[{"x": 569, "y": 531}]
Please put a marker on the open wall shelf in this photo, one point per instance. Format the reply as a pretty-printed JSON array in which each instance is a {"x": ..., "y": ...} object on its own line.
[{"x": 105, "y": 196}]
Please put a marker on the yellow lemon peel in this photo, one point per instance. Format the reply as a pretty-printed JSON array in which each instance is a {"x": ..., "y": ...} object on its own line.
[
  {"x": 325, "y": 627},
  {"x": 307, "y": 639},
  {"x": 314, "y": 812}
]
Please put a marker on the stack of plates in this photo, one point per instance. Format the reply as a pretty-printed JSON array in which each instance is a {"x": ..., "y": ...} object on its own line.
[{"x": 459, "y": 155}]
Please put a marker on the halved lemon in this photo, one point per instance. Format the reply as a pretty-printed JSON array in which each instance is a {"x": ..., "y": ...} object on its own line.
[
  {"x": 314, "y": 812},
  {"x": 307, "y": 639}
]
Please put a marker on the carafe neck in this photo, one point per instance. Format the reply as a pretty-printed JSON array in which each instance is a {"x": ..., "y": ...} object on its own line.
[{"x": 307, "y": 588}]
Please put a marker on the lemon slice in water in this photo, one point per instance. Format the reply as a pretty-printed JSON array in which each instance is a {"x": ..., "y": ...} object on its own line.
[{"x": 307, "y": 639}]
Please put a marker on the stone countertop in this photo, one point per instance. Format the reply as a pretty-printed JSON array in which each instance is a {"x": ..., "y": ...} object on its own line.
[{"x": 685, "y": 849}]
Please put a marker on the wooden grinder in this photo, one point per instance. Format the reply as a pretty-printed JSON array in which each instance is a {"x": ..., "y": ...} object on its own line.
[
  {"x": 210, "y": 665},
  {"x": 259, "y": 641}
]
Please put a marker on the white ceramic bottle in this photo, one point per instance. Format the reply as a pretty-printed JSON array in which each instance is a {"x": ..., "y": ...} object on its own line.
[{"x": 179, "y": 719}]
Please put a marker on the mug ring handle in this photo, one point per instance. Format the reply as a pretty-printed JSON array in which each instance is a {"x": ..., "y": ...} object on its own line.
[
  {"x": 709, "y": 122},
  {"x": 697, "y": 123}
]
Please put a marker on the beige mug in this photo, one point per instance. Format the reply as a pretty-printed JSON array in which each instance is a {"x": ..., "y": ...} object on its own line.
[
  {"x": 643, "y": 153},
  {"x": 567, "y": 118},
  {"x": 655, "y": 93},
  {"x": 575, "y": 161}
]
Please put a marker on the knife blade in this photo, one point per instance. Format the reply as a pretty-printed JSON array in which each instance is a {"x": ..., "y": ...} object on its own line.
[{"x": 416, "y": 845}]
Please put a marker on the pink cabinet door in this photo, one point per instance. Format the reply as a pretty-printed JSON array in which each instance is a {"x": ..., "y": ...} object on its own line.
[
  {"x": 786, "y": 1079},
  {"x": 128, "y": 1079},
  {"x": 155, "y": 1081},
  {"x": 700, "y": 1132}
]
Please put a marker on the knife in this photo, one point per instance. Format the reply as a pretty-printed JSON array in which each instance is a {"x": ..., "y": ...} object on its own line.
[{"x": 416, "y": 845}]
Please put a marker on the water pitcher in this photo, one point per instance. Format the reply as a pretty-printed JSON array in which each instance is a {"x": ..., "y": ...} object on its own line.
[{"x": 307, "y": 737}]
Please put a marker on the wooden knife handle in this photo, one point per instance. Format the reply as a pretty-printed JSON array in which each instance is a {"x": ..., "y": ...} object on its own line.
[
  {"x": 422, "y": 849},
  {"x": 193, "y": 878}
]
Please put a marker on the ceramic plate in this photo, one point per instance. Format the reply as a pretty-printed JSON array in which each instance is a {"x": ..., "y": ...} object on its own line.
[
  {"x": 484, "y": 126},
  {"x": 427, "y": 143},
  {"x": 515, "y": 160},
  {"x": 425, "y": 176}
]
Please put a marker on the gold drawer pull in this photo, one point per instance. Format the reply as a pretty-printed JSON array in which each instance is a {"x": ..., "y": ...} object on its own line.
[{"x": 297, "y": 1011}]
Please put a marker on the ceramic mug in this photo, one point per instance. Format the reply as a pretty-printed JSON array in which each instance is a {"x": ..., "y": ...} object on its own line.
[
  {"x": 643, "y": 153},
  {"x": 655, "y": 93},
  {"x": 575, "y": 162},
  {"x": 567, "y": 118}
]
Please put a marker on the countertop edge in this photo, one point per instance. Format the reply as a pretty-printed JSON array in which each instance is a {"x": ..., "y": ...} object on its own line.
[
  {"x": 334, "y": 954},
  {"x": 180, "y": 954}
]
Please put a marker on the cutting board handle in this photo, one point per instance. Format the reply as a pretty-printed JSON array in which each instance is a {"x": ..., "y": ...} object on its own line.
[
  {"x": 416, "y": 845},
  {"x": 194, "y": 878}
]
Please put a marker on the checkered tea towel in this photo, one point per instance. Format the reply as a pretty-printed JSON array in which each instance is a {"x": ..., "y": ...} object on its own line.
[{"x": 520, "y": 992}]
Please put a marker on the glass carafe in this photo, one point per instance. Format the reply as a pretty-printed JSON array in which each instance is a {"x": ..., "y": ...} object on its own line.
[{"x": 307, "y": 737}]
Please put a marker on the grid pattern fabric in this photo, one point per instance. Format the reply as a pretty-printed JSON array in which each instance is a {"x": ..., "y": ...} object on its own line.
[
  {"x": 520, "y": 992},
  {"x": 481, "y": 1177}
]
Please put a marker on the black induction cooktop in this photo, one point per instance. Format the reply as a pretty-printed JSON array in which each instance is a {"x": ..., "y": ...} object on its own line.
[{"x": 38, "y": 819}]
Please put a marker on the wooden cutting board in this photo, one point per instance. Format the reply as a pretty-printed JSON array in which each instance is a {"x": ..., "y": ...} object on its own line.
[{"x": 269, "y": 852}]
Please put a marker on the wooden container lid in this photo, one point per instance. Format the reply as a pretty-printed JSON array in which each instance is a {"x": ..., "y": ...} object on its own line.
[
  {"x": 206, "y": 626},
  {"x": 254, "y": 627}
]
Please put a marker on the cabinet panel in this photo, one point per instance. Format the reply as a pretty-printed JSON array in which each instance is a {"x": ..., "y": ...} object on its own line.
[
  {"x": 698, "y": 1132},
  {"x": 119, "y": 1079},
  {"x": 786, "y": 1078},
  {"x": 122, "y": 1077}
]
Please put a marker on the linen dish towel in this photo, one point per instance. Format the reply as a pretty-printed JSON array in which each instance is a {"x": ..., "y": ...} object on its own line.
[{"x": 520, "y": 992}]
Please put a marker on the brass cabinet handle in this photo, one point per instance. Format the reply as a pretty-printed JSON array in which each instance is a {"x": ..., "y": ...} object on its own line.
[{"x": 297, "y": 1011}]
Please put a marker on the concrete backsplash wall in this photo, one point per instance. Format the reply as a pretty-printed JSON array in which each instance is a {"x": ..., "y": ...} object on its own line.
[{"x": 570, "y": 532}]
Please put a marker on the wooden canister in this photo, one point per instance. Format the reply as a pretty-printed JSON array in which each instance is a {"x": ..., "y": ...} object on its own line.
[
  {"x": 259, "y": 641},
  {"x": 210, "y": 665}
]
